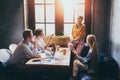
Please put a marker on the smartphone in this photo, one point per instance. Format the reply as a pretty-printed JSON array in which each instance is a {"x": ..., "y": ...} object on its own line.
[{"x": 36, "y": 60}]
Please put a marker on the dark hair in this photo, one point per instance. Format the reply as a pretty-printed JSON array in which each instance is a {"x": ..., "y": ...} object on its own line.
[
  {"x": 26, "y": 33},
  {"x": 38, "y": 32}
]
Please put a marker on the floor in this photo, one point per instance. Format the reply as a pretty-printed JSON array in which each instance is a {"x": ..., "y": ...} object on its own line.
[{"x": 82, "y": 76}]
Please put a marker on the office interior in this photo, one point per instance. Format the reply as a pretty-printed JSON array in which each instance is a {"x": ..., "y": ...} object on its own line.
[{"x": 101, "y": 18}]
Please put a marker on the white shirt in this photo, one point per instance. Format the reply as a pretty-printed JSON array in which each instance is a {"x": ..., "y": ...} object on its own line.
[{"x": 40, "y": 43}]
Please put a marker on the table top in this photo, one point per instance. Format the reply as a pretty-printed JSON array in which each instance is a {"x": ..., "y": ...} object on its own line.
[{"x": 59, "y": 59}]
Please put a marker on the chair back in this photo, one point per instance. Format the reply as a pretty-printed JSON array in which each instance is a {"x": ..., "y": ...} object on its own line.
[
  {"x": 12, "y": 47},
  {"x": 5, "y": 55}
]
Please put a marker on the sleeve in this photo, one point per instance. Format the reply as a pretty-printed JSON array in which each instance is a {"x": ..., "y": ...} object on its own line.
[
  {"x": 30, "y": 53},
  {"x": 89, "y": 54},
  {"x": 41, "y": 44}
]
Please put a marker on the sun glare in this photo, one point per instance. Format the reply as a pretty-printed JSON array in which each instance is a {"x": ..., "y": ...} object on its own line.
[
  {"x": 67, "y": 3},
  {"x": 68, "y": 10}
]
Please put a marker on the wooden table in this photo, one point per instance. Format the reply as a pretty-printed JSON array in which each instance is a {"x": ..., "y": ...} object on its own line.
[{"x": 59, "y": 64}]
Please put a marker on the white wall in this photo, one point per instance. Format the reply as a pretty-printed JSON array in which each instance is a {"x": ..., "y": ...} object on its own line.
[{"x": 115, "y": 30}]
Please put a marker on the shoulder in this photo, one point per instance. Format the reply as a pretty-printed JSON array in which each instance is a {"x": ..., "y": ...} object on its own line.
[
  {"x": 20, "y": 48},
  {"x": 83, "y": 25},
  {"x": 22, "y": 44},
  {"x": 74, "y": 25}
]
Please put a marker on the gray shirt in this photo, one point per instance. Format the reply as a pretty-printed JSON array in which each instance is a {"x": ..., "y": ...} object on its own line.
[{"x": 23, "y": 52}]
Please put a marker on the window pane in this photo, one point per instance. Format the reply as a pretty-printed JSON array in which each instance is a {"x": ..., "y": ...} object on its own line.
[
  {"x": 50, "y": 13},
  {"x": 79, "y": 10},
  {"x": 39, "y": 13},
  {"x": 79, "y": 1},
  {"x": 50, "y": 29},
  {"x": 40, "y": 26},
  {"x": 68, "y": 29},
  {"x": 68, "y": 14},
  {"x": 50, "y": 1},
  {"x": 39, "y": 1}
]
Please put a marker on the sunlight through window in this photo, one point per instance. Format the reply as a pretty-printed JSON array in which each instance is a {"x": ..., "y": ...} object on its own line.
[
  {"x": 45, "y": 14},
  {"x": 72, "y": 9}
]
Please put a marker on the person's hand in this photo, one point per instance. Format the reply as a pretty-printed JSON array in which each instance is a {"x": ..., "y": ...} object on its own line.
[
  {"x": 85, "y": 60},
  {"x": 34, "y": 43}
]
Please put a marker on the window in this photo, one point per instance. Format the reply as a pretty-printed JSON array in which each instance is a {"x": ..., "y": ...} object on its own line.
[
  {"x": 45, "y": 15},
  {"x": 72, "y": 9},
  {"x": 46, "y": 11}
]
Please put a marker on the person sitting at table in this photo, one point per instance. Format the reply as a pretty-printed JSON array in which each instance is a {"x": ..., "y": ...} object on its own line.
[
  {"x": 41, "y": 45},
  {"x": 89, "y": 62},
  {"x": 78, "y": 36},
  {"x": 26, "y": 49}
]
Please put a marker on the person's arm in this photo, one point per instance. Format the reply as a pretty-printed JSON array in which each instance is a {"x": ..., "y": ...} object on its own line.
[
  {"x": 29, "y": 52},
  {"x": 89, "y": 54},
  {"x": 77, "y": 38}
]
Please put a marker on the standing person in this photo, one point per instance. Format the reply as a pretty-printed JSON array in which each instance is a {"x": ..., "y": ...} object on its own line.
[
  {"x": 89, "y": 62},
  {"x": 78, "y": 35},
  {"x": 39, "y": 39},
  {"x": 26, "y": 49}
]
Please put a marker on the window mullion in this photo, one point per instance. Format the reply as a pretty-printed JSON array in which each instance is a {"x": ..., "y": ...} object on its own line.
[
  {"x": 45, "y": 15},
  {"x": 31, "y": 14},
  {"x": 59, "y": 19}
]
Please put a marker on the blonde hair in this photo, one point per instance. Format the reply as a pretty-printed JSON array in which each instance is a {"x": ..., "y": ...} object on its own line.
[
  {"x": 80, "y": 17},
  {"x": 91, "y": 39}
]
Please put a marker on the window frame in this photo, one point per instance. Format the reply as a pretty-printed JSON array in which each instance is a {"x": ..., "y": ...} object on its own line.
[{"x": 59, "y": 20}]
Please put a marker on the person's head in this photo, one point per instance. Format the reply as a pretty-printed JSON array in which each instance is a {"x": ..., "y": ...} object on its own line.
[
  {"x": 28, "y": 34},
  {"x": 79, "y": 19},
  {"x": 39, "y": 32},
  {"x": 91, "y": 39}
]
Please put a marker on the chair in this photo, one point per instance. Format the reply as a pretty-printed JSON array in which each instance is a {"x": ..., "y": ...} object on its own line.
[
  {"x": 12, "y": 47},
  {"x": 5, "y": 55}
]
